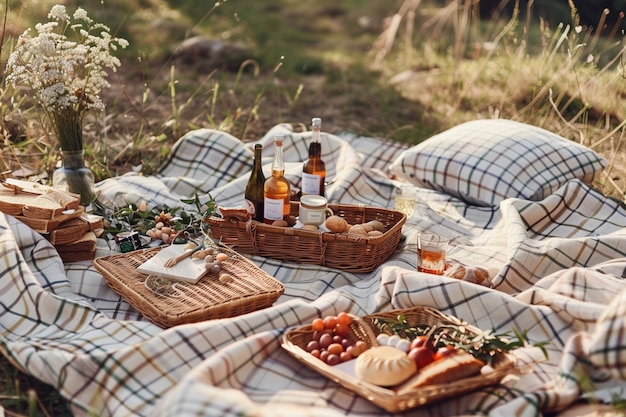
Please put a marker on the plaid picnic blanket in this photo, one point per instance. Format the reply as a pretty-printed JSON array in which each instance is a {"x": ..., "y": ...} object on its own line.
[{"x": 557, "y": 266}]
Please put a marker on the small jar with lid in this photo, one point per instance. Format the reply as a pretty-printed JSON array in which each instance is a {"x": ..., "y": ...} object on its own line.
[{"x": 314, "y": 210}]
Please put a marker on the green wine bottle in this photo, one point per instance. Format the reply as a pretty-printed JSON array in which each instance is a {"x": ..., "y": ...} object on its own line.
[{"x": 254, "y": 189}]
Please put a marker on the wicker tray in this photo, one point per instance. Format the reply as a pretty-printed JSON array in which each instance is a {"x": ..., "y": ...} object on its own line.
[
  {"x": 168, "y": 303},
  {"x": 295, "y": 340},
  {"x": 341, "y": 251}
]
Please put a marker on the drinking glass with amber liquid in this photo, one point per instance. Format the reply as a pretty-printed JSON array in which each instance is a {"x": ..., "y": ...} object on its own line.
[
  {"x": 276, "y": 204},
  {"x": 314, "y": 169},
  {"x": 431, "y": 253}
]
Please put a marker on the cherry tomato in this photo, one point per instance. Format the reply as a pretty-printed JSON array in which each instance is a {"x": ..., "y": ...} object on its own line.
[
  {"x": 420, "y": 341},
  {"x": 345, "y": 356},
  {"x": 330, "y": 322},
  {"x": 324, "y": 355},
  {"x": 342, "y": 329},
  {"x": 422, "y": 356},
  {"x": 444, "y": 351},
  {"x": 315, "y": 353},
  {"x": 344, "y": 318},
  {"x": 317, "y": 324}
]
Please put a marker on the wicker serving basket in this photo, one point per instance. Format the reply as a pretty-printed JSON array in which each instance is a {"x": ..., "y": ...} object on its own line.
[
  {"x": 347, "y": 252},
  {"x": 295, "y": 341},
  {"x": 168, "y": 303}
]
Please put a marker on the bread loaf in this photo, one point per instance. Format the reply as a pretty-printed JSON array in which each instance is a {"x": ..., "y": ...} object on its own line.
[
  {"x": 12, "y": 203},
  {"x": 47, "y": 225},
  {"x": 68, "y": 232},
  {"x": 50, "y": 205},
  {"x": 83, "y": 249},
  {"x": 451, "y": 368}
]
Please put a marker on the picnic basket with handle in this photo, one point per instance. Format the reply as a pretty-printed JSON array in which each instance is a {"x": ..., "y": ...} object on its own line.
[
  {"x": 389, "y": 398},
  {"x": 348, "y": 252}
]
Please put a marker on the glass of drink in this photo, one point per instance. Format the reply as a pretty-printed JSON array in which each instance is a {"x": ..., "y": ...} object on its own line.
[
  {"x": 405, "y": 201},
  {"x": 431, "y": 253}
]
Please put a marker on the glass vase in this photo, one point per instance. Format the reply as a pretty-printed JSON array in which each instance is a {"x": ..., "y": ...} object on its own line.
[{"x": 75, "y": 177}]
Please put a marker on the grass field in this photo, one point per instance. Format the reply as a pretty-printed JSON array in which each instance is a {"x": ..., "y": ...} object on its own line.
[{"x": 400, "y": 70}]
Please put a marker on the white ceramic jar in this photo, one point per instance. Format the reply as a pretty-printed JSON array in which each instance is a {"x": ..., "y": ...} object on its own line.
[{"x": 314, "y": 210}]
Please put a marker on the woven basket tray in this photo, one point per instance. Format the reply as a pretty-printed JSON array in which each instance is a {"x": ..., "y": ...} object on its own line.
[
  {"x": 341, "y": 251},
  {"x": 168, "y": 303},
  {"x": 295, "y": 341}
]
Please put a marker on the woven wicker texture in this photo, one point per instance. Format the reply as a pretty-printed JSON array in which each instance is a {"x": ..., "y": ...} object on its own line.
[
  {"x": 348, "y": 252},
  {"x": 295, "y": 341},
  {"x": 168, "y": 303}
]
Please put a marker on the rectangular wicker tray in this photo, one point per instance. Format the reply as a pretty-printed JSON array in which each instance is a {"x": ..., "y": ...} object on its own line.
[
  {"x": 168, "y": 303},
  {"x": 393, "y": 401},
  {"x": 348, "y": 252}
]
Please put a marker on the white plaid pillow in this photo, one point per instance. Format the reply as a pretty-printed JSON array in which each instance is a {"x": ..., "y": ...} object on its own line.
[{"x": 486, "y": 161}]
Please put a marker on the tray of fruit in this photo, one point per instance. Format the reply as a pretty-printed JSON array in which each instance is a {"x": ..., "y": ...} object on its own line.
[{"x": 402, "y": 359}]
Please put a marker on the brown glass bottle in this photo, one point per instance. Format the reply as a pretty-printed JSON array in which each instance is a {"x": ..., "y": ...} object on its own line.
[
  {"x": 254, "y": 194},
  {"x": 276, "y": 189},
  {"x": 314, "y": 169}
]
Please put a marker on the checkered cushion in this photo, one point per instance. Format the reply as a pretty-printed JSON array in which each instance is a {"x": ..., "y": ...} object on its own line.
[{"x": 486, "y": 161}]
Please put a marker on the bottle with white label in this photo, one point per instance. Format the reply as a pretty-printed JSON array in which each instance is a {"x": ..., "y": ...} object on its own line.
[
  {"x": 276, "y": 188},
  {"x": 254, "y": 194},
  {"x": 314, "y": 169}
]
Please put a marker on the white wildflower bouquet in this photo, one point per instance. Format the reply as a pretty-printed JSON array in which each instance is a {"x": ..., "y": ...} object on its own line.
[{"x": 65, "y": 74}]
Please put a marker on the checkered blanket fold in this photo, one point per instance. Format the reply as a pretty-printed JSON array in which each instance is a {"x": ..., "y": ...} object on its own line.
[{"x": 558, "y": 270}]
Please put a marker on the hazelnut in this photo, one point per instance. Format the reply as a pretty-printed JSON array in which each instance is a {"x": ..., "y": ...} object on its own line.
[
  {"x": 221, "y": 257},
  {"x": 225, "y": 278}
]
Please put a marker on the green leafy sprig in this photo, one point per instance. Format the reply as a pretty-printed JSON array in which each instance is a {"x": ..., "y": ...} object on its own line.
[
  {"x": 482, "y": 345},
  {"x": 133, "y": 218},
  {"x": 204, "y": 210}
]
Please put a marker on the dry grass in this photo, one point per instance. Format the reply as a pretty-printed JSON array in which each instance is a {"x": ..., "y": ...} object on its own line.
[{"x": 570, "y": 81}]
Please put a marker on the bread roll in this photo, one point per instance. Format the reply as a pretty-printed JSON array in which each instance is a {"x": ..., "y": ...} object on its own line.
[
  {"x": 357, "y": 229},
  {"x": 384, "y": 366},
  {"x": 336, "y": 224},
  {"x": 476, "y": 275}
]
